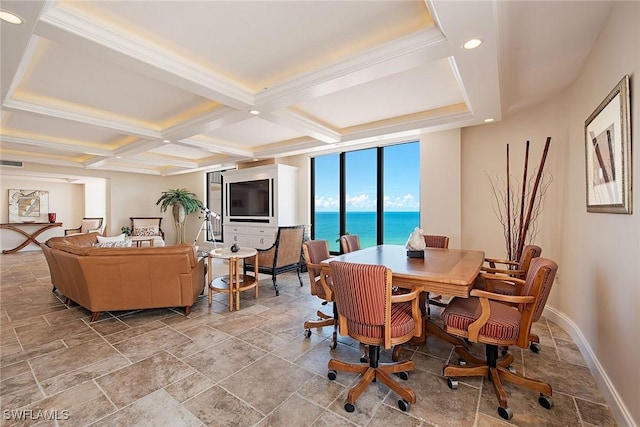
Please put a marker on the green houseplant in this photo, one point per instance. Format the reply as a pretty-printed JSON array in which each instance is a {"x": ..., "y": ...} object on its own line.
[{"x": 183, "y": 203}]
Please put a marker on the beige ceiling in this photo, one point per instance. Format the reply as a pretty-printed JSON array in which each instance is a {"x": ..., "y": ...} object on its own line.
[{"x": 167, "y": 87}]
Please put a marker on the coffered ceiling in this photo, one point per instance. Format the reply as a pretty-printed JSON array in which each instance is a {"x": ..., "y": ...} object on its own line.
[{"x": 167, "y": 87}]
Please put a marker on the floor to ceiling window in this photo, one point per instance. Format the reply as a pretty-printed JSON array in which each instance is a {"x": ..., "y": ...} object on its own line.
[{"x": 373, "y": 193}]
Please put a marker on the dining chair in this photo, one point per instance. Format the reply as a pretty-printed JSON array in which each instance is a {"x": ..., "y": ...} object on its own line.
[
  {"x": 435, "y": 241},
  {"x": 349, "y": 243},
  {"x": 491, "y": 277},
  {"x": 500, "y": 320},
  {"x": 88, "y": 225},
  {"x": 370, "y": 314},
  {"x": 316, "y": 251}
]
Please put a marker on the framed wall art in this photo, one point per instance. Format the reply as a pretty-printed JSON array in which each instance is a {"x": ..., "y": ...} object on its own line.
[
  {"x": 608, "y": 153},
  {"x": 28, "y": 206}
]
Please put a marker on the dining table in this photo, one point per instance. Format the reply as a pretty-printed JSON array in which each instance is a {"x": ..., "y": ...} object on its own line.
[{"x": 450, "y": 272}]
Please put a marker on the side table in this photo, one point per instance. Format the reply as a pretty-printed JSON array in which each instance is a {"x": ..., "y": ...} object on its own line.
[
  {"x": 29, "y": 235},
  {"x": 235, "y": 282}
]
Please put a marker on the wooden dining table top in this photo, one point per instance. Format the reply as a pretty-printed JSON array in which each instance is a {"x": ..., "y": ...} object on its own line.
[{"x": 444, "y": 271}]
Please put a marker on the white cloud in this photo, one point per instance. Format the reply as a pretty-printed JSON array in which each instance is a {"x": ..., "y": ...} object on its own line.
[
  {"x": 406, "y": 202},
  {"x": 361, "y": 202}
]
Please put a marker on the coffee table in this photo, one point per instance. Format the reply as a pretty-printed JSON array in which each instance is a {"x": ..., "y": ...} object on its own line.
[
  {"x": 235, "y": 282},
  {"x": 137, "y": 240}
]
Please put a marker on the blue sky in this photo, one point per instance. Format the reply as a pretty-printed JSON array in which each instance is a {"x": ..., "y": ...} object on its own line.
[{"x": 402, "y": 180}]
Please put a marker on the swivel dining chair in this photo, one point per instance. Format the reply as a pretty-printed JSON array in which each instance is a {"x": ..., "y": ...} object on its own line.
[
  {"x": 500, "y": 320},
  {"x": 435, "y": 241},
  {"x": 491, "y": 277},
  {"x": 369, "y": 313},
  {"x": 316, "y": 251},
  {"x": 349, "y": 243}
]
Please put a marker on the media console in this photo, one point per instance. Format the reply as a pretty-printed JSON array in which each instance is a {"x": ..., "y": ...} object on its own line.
[{"x": 256, "y": 201}]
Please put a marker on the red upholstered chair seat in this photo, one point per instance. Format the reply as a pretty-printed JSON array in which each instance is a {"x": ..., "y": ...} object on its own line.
[
  {"x": 503, "y": 323},
  {"x": 401, "y": 323}
]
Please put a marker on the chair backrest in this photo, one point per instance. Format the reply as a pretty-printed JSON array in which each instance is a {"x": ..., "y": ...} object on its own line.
[
  {"x": 528, "y": 253},
  {"x": 288, "y": 245},
  {"x": 146, "y": 226},
  {"x": 350, "y": 243},
  {"x": 91, "y": 224},
  {"x": 435, "y": 241},
  {"x": 315, "y": 251},
  {"x": 540, "y": 277},
  {"x": 363, "y": 296}
]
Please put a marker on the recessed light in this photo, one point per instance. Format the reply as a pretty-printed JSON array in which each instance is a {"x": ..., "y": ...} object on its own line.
[
  {"x": 254, "y": 112},
  {"x": 166, "y": 141},
  {"x": 255, "y": 160},
  {"x": 11, "y": 18},
  {"x": 488, "y": 120},
  {"x": 471, "y": 44}
]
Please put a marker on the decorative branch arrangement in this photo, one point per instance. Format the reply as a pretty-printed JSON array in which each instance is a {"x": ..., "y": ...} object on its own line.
[{"x": 520, "y": 226}]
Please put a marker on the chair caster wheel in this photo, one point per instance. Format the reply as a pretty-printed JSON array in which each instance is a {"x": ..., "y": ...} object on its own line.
[
  {"x": 333, "y": 345},
  {"x": 452, "y": 383},
  {"x": 403, "y": 375},
  {"x": 534, "y": 347},
  {"x": 403, "y": 405},
  {"x": 364, "y": 359},
  {"x": 505, "y": 413},
  {"x": 332, "y": 375},
  {"x": 545, "y": 401},
  {"x": 511, "y": 369},
  {"x": 504, "y": 352},
  {"x": 349, "y": 407},
  {"x": 307, "y": 333},
  {"x": 462, "y": 362}
]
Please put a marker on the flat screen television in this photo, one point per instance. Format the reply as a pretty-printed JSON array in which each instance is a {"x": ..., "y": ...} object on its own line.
[{"x": 249, "y": 199}]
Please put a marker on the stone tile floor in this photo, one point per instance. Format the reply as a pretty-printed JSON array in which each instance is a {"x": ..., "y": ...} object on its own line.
[{"x": 244, "y": 368}]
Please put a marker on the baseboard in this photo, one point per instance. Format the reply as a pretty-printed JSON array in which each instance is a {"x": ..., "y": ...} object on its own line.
[{"x": 618, "y": 409}]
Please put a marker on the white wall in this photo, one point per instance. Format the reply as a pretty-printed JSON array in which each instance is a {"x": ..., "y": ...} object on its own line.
[
  {"x": 62, "y": 199},
  {"x": 127, "y": 195},
  {"x": 597, "y": 294},
  {"x": 440, "y": 198}
]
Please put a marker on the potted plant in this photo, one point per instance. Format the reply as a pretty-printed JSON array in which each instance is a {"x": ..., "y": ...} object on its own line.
[
  {"x": 183, "y": 203},
  {"x": 126, "y": 230}
]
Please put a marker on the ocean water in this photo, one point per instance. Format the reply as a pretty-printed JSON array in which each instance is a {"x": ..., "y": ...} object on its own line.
[{"x": 397, "y": 227}]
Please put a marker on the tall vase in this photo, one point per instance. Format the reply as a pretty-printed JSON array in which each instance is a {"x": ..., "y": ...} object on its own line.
[{"x": 180, "y": 220}]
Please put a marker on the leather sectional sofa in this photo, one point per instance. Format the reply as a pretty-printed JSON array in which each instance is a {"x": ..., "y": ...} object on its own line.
[{"x": 124, "y": 278}]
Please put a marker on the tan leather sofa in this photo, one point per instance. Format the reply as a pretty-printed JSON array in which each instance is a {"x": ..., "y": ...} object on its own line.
[{"x": 113, "y": 279}]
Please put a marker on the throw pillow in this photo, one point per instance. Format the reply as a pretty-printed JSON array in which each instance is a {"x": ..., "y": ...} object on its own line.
[
  {"x": 146, "y": 231},
  {"x": 115, "y": 244},
  {"x": 120, "y": 238}
]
